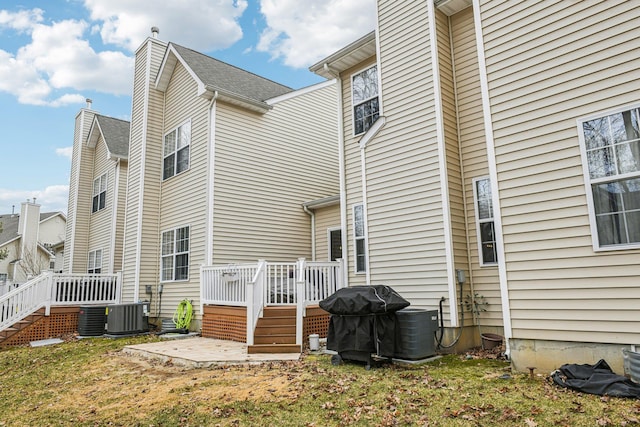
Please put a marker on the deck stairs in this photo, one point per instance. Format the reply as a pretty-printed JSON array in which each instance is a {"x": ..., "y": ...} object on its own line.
[
  {"x": 7, "y": 333},
  {"x": 276, "y": 331}
]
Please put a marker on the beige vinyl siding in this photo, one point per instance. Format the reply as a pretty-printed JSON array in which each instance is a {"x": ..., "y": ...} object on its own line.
[
  {"x": 448, "y": 92},
  {"x": 101, "y": 222},
  {"x": 184, "y": 196},
  {"x": 353, "y": 169},
  {"x": 151, "y": 170},
  {"x": 326, "y": 218},
  {"x": 266, "y": 166},
  {"x": 52, "y": 230},
  {"x": 80, "y": 194},
  {"x": 119, "y": 224},
  {"x": 405, "y": 213},
  {"x": 549, "y": 64},
  {"x": 474, "y": 155}
]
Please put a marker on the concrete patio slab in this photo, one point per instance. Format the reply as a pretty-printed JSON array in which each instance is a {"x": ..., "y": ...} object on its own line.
[{"x": 201, "y": 352}]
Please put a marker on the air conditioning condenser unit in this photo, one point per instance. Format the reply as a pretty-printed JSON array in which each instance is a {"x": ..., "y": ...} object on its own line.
[{"x": 126, "y": 319}]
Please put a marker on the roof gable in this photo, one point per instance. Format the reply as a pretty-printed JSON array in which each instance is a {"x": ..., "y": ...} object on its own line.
[
  {"x": 230, "y": 83},
  {"x": 114, "y": 132},
  {"x": 9, "y": 228}
]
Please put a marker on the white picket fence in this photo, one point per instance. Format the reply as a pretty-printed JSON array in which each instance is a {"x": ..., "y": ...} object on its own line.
[
  {"x": 253, "y": 286},
  {"x": 49, "y": 289}
]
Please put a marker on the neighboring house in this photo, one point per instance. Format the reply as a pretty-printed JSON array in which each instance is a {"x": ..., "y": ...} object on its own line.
[
  {"x": 499, "y": 143},
  {"x": 34, "y": 243},
  {"x": 97, "y": 191},
  {"x": 223, "y": 166}
]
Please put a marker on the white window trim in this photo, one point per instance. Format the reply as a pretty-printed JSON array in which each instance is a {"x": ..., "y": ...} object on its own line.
[
  {"x": 353, "y": 116},
  {"x": 479, "y": 221},
  {"x": 174, "y": 254},
  {"x": 587, "y": 181},
  {"x": 94, "y": 252},
  {"x": 102, "y": 178},
  {"x": 356, "y": 238},
  {"x": 175, "y": 161}
]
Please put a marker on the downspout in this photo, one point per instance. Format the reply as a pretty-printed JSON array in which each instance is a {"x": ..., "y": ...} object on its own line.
[
  {"x": 493, "y": 173},
  {"x": 210, "y": 183},
  {"x": 313, "y": 231},
  {"x": 342, "y": 176}
]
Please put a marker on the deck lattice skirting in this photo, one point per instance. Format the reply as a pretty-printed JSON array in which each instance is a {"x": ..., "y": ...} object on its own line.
[{"x": 60, "y": 322}]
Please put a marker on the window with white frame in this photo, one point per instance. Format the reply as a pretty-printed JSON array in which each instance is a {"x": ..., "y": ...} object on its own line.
[
  {"x": 364, "y": 94},
  {"x": 175, "y": 254},
  {"x": 176, "y": 150},
  {"x": 99, "y": 193},
  {"x": 359, "y": 239},
  {"x": 611, "y": 161},
  {"x": 484, "y": 221},
  {"x": 94, "y": 266}
]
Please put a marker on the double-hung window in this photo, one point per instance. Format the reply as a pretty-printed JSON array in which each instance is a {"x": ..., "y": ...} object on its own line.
[
  {"x": 359, "y": 239},
  {"x": 94, "y": 265},
  {"x": 99, "y": 193},
  {"x": 484, "y": 221},
  {"x": 611, "y": 162},
  {"x": 176, "y": 150},
  {"x": 364, "y": 94},
  {"x": 175, "y": 254}
]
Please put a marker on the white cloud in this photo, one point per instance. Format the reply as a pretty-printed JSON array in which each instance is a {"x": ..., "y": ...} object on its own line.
[
  {"x": 58, "y": 62},
  {"x": 203, "y": 25},
  {"x": 65, "y": 151},
  {"x": 52, "y": 199},
  {"x": 303, "y": 32}
]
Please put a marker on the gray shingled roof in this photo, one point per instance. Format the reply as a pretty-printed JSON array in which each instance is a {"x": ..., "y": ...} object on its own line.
[
  {"x": 227, "y": 78},
  {"x": 10, "y": 225},
  {"x": 9, "y": 228},
  {"x": 116, "y": 134}
]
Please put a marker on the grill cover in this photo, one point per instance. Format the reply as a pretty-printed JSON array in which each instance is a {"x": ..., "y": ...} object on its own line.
[{"x": 363, "y": 300}]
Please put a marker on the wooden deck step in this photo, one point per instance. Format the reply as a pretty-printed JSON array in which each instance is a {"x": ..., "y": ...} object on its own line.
[{"x": 273, "y": 348}]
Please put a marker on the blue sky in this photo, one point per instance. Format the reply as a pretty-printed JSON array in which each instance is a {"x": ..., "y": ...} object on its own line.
[{"x": 56, "y": 53}]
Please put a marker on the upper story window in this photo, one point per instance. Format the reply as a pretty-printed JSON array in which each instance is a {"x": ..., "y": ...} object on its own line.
[
  {"x": 484, "y": 221},
  {"x": 176, "y": 150},
  {"x": 364, "y": 94},
  {"x": 175, "y": 254},
  {"x": 359, "y": 239},
  {"x": 611, "y": 162},
  {"x": 99, "y": 193},
  {"x": 95, "y": 262}
]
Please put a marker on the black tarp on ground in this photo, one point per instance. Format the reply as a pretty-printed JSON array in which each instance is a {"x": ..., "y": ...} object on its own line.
[
  {"x": 363, "y": 319},
  {"x": 595, "y": 379}
]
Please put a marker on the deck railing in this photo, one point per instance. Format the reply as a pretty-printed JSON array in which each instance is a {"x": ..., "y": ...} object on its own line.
[
  {"x": 49, "y": 289},
  {"x": 253, "y": 286}
]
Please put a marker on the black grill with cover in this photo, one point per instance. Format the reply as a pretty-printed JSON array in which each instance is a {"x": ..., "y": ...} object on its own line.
[{"x": 363, "y": 322}]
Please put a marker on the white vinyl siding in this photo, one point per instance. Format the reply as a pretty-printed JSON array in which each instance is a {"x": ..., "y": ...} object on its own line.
[
  {"x": 364, "y": 96},
  {"x": 176, "y": 150},
  {"x": 359, "y": 240},
  {"x": 484, "y": 221},
  {"x": 549, "y": 64},
  {"x": 611, "y": 159},
  {"x": 99, "y": 193},
  {"x": 175, "y": 255},
  {"x": 94, "y": 263}
]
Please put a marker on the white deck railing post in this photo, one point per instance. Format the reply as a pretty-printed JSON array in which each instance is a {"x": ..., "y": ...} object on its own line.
[
  {"x": 300, "y": 300},
  {"x": 50, "y": 293},
  {"x": 250, "y": 319},
  {"x": 118, "y": 287}
]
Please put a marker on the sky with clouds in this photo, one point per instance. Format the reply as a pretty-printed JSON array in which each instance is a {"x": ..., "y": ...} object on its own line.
[{"x": 54, "y": 54}]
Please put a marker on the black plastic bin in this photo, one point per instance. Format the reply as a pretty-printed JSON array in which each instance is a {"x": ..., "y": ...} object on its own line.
[{"x": 362, "y": 322}]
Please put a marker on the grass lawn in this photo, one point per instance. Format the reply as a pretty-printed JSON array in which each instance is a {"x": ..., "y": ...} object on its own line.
[{"x": 89, "y": 382}]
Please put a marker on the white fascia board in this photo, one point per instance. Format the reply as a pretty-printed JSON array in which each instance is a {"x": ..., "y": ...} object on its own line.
[
  {"x": 300, "y": 92},
  {"x": 169, "y": 62}
]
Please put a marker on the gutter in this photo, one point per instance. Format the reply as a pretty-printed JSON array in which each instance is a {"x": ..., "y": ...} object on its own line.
[{"x": 312, "y": 214}]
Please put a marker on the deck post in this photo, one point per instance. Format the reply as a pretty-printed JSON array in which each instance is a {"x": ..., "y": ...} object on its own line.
[
  {"x": 50, "y": 293},
  {"x": 300, "y": 300}
]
